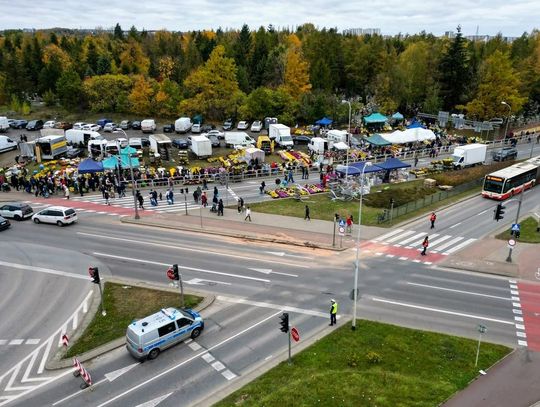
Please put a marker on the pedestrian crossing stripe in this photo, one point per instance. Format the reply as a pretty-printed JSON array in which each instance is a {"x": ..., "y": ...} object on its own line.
[{"x": 127, "y": 203}]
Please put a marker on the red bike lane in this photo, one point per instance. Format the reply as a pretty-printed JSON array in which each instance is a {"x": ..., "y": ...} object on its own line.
[{"x": 529, "y": 295}]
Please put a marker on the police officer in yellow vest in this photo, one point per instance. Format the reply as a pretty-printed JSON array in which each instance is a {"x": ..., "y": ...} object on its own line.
[{"x": 333, "y": 312}]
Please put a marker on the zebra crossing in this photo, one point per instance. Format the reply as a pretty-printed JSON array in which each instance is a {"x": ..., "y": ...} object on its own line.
[
  {"x": 410, "y": 239},
  {"x": 38, "y": 206},
  {"x": 127, "y": 203}
]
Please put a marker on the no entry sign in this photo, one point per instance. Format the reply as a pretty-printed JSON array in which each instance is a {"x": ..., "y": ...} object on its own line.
[{"x": 294, "y": 334}]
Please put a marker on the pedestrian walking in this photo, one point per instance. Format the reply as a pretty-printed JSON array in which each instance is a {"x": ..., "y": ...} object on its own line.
[
  {"x": 349, "y": 224},
  {"x": 248, "y": 214},
  {"x": 415, "y": 161},
  {"x": 66, "y": 192},
  {"x": 107, "y": 197},
  {"x": 220, "y": 208},
  {"x": 306, "y": 215},
  {"x": 140, "y": 199},
  {"x": 204, "y": 184},
  {"x": 425, "y": 245},
  {"x": 204, "y": 199},
  {"x": 290, "y": 176},
  {"x": 333, "y": 312},
  {"x": 240, "y": 205},
  {"x": 261, "y": 188},
  {"x": 432, "y": 219},
  {"x": 196, "y": 196}
]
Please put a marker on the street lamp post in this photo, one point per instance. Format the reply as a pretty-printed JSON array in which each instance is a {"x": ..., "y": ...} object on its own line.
[
  {"x": 507, "y": 117},
  {"x": 348, "y": 141},
  {"x": 117, "y": 130},
  {"x": 357, "y": 263}
]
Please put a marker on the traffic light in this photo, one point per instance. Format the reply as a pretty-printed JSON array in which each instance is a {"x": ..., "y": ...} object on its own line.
[
  {"x": 175, "y": 272},
  {"x": 284, "y": 322},
  {"x": 94, "y": 274},
  {"x": 499, "y": 212}
]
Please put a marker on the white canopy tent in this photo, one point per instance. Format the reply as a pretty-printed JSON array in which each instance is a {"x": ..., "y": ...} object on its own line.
[
  {"x": 409, "y": 136},
  {"x": 252, "y": 153}
]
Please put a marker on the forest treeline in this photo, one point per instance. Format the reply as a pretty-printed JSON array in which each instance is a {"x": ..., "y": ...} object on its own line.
[{"x": 296, "y": 76}]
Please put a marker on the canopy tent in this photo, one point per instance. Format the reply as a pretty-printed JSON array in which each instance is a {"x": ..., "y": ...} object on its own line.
[
  {"x": 252, "y": 153},
  {"x": 375, "y": 118},
  {"x": 128, "y": 151},
  {"x": 341, "y": 146},
  {"x": 356, "y": 168},
  {"x": 378, "y": 140},
  {"x": 111, "y": 163},
  {"x": 397, "y": 116},
  {"x": 409, "y": 136},
  {"x": 90, "y": 166},
  {"x": 325, "y": 121},
  {"x": 393, "y": 164},
  {"x": 415, "y": 125}
]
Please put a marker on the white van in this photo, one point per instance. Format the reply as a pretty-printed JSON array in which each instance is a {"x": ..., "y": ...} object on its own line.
[
  {"x": 7, "y": 144},
  {"x": 147, "y": 337},
  {"x": 238, "y": 138},
  {"x": 4, "y": 124},
  {"x": 182, "y": 125},
  {"x": 136, "y": 143},
  {"x": 318, "y": 145},
  {"x": 75, "y": 137},
  {"x": 112, "y": 147},
  {"x": 337, "y": 136},
  {"x": 148, "y": 125},
  {"x": 96, "y": 148}
]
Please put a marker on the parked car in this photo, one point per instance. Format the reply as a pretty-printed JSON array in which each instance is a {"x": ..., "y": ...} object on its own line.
[
  {"x": 242, "y": 125},
  {"x": 136, "y": 125},
  {"x": 196, "y": 128},
  {"x": 505, "y": 153},
  {"x": 4, "y": 223},
  {"x": 91, "y": 127},
  {"x": 34, "y": 125},
  {"x": 63, "y": 125},
  {"x": 125, "y": 124},
  {"x": 49, "y": 124},
  {"x": 168, "y": 128},
  {"x": 10, "y": 122},
  {"x": 214, "y": 140},
  {"x": 219, "y": 134},
  {"x": 205, "y": 128},
  {"x": 301, "y": 139},
  {"x": 16, "y": 210},
  {"x": 256, "y": 126},
  {"x": 19, "y": 124},
  {"x": 59, "y": 215},
  {"x": 145, "y": 141},
  {"x": 110, "y": 127},
  {"x": 73, "y": 152},
  {"x": 228, "y": 124},
  {"x": 180, "y": 143},
  {"x": 79, "y": 125}
]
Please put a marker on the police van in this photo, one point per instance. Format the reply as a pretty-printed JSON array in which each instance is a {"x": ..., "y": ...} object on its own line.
[{"x": 147, "y": 337}]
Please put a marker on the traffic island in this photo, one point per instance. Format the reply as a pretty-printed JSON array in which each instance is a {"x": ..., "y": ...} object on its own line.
[
  {"x": 378, "y": 364},
  {"x": 124, "y": 302},
  {"x": 529, "y": 232}
]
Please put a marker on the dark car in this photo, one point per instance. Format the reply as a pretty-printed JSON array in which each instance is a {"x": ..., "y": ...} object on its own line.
[
  {"x": 168, "y": 128},
  {"x": 136, "y": 125},
  {"x": 4, "y": 223},
  {"x": 19, "y": 124},
  {"x": 180, "y": 143},
  {"x": 205, "y": 128},
  {"x": 63, "y": 125},
  {"x": 505, "y": 153},
  {"x": 214, "y": 140},
  {"x": 301, "y": 139},
  {"x": 228, "y": 124},
  {"x": 34, "y": 125},
  {"x": 145, "y": 141}
]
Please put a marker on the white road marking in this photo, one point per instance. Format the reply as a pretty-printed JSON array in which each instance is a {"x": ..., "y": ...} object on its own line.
[
  {"x": 412, "y": 238},
  {"x": 268, "y": 271},
  {"x": 32, "y": 341},
  {"x": 390, "y": 255},
  {"x": 439, "y": 240},
  {"x": 522, "y": 343},
  {"x": 481, "y": 213},
  {"x": 521, "y": 334},
  {"x": 459, "y": 246},
  {"x": 3, "y": 341},
  {"x": 392, "y": 233},
  {"x": 190, "y": 249},
  {"x": 403, "y": 258},
  {"x": 44, "y": 270},
  {"x": 182, "y": 267},
  {"x": 443, "y": 311},
  {"x": 281, "y": 254},
  {"x": 200, "y": 281},
  {"x": 112, "y": 376},
  {"x": 228, "y": 375},
  {"x": 166, "y": 372},
  {"x": 434, "y": 287},
  {"x": 520, "y": 326},
  {"x": 272, "y": 306},
  {"x": 516, "y": 305},
  {"x": 194, "y": 346},
  {"x": 453, "y": 226},
  {"x": 218, "y": 366},
  {"x": 154, "y": 402},
  {"x": 400, "y": 236},
  {"x": 208, "y": 358},
  {"x": 16, "y": 342},
  {"x": 418, "y": 242},
  {"x": 449, "y": 243}
]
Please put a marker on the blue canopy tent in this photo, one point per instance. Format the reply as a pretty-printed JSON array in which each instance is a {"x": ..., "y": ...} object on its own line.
[
  {"x": 415, "y": 124},
  {"x": 392, "y": 164},
  {"x": 89, "y": 166},
  {"x": 111, "y": 163},
  {"x": 375, "y": 118},
  {"x": 397, "y": 116},
  {"x": 378, "y": 140},
  {"x": 356, "y": 168},
  {"x": 325, "y": 121}
]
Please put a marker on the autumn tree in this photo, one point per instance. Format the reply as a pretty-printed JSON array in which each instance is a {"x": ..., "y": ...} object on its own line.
[
  {"x": 108, "y": 93},
  {"x": 142, "y": 94},
  {"x": 167, "y": 99},
  {"x": 296, "y": 70},
  {"x": 132, "y": 58},
  {"x": 69, "y": 89}
]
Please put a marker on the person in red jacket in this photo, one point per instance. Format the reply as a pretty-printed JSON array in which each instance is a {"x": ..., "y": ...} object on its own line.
[
  {"x": 425, "y": 245},
  {"x": 432, "y": 219}
]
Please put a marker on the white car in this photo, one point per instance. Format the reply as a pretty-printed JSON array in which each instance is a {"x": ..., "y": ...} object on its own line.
[
  {"x": 79, "y": 125},
  {"x": 49, "y": 124},
  {"x": 109, "y": 127},
  {"x": 256, "y": 126},
  {"x": 196, "y": 128},
  {"x": 59, "y": 215},
  {"x": 91, "y": 127},
  {"x": 243, "y": 125},
  {"x": 16, "y": 210},
  {"x": 122, "y": 141},
  {"x": 219, "y": 134}
]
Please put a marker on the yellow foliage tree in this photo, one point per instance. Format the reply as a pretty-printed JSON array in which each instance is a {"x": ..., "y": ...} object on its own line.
[
  {"x": 296, "y": 73},
  {"x": 142, "y": 95},
  {"x": 133, "y": 59}
]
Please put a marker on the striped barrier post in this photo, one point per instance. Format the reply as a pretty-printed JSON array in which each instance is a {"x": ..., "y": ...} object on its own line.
[{"x": 81, "y": 371}]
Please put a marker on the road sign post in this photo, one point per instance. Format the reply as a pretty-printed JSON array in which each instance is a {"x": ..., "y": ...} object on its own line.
[
  {"x": 481, "y": 329},
  {"x": 94, "y": 274},
  {"x": 511, "y": 245}
]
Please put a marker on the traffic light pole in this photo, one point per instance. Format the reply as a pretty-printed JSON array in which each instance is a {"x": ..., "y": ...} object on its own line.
[
  {"x": 289, "y": 335},
  {"x": 181, "y": 291},
  {"x": 509, "y": 258}
]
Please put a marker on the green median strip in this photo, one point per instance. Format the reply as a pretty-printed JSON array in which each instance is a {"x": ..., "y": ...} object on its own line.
[
  {"x": 376, "y": 365},
  {"x": 123, "y": 304},
  {"x": 528, "y": 233}
]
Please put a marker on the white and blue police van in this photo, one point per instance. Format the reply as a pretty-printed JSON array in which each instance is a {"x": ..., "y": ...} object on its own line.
[{"x": 147, "y": 337}]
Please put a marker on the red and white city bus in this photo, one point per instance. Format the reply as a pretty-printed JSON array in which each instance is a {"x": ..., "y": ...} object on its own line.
[{"x": 509, "y": 181}]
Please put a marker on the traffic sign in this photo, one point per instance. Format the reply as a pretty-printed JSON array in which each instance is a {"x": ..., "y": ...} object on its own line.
[
  {"x": 341, "y": 223},
  {"x": 295, "y": 334},
  {"x": 516, "y": 227},
  {"x": 511, "y": 243},
  {"x": 341, "y": 231}
]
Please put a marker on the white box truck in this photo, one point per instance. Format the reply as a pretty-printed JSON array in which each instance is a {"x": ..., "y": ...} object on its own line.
[
  {"x": 201, "y": 146},
  {"x": 51, "y": 147},
  {"x": 182, "y": 125},
  {"x": 469, "y": 155},
  {"x": 337, "y": 136},
  {"x": 148, "y": 125},
  {"x": 281, "y": 134},
  {"x": 318, "y": 145},
  {"x": 238, "y": 138},
  {"x": 162, "y": 145},
  {"x": 4, "y": 124},
  {"x": 76, "y": 137}
]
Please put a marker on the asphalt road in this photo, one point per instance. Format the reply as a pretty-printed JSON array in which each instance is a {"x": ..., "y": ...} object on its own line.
[{"x": 254, "y": 283}]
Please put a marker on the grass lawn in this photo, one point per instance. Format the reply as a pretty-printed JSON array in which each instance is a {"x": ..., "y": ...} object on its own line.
[
  {"x": 378, "y": 365},
  {"x": 124, "y": 304},
  {"x": 528, "y": 232}
]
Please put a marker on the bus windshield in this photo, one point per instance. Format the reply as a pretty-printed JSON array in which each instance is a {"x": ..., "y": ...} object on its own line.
[{"x": 491, "y": 185}]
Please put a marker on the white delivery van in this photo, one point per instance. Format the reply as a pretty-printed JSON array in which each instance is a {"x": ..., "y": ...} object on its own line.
[
  {"x": 136, "y": 143},
  {"x": 182, "y": 125},
  {"x": 469, "y": 155},
  {"x": 281, "y": 134},
  {"x": 7, "y": 144},
  {"x": 148, "y": 125},
  {"x": 238, "y": 138},
  {"x": 4, "y": 124},
  {"x": 318, "y": 145},
  {"x": 201, "y": 146},
  {"x": 76, "y": 137},
  {"x": 96, "y": 148},
  {"x": 162, "y": 145},
  {"x": 146, "y": 338},
  {"x": 337, "y": 136}
]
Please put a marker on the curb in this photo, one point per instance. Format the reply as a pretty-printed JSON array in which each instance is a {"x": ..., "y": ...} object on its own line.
[
  {"x": 235, "y": 235},
  {"x": 60, "y": 362}
]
